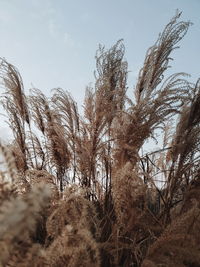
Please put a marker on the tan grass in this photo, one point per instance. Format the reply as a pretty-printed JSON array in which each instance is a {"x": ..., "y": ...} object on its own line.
[{"x": 79, "y": 191}]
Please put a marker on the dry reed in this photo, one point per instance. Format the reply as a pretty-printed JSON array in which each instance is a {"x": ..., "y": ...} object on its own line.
[{"x": 79, "y": 191}]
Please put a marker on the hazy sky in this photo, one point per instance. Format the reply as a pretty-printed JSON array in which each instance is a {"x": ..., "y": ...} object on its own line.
[{"x": 53, "y": 42}]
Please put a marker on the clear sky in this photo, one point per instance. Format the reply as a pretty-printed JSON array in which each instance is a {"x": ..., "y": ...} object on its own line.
[{"x": 53, "y": 42}]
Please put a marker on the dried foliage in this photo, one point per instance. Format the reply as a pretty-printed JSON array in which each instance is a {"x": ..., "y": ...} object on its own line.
[{"x": 79, "y": 190}]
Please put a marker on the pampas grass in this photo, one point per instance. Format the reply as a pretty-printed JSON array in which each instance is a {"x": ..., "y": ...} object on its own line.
[{"x": 78, "y": 190}]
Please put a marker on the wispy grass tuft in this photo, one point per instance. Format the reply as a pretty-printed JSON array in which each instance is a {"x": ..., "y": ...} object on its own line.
[{"x": 80, "y": 190}]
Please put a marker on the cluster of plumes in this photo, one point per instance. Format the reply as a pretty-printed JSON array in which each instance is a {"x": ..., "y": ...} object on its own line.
[
  {"x": 80, "y": 191},
  {"x": 42, "y": 226},
  {"x": 178, "y": 244}
]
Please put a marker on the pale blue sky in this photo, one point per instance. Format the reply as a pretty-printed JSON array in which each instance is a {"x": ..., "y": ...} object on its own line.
[{"x": 53, "y": 42}]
